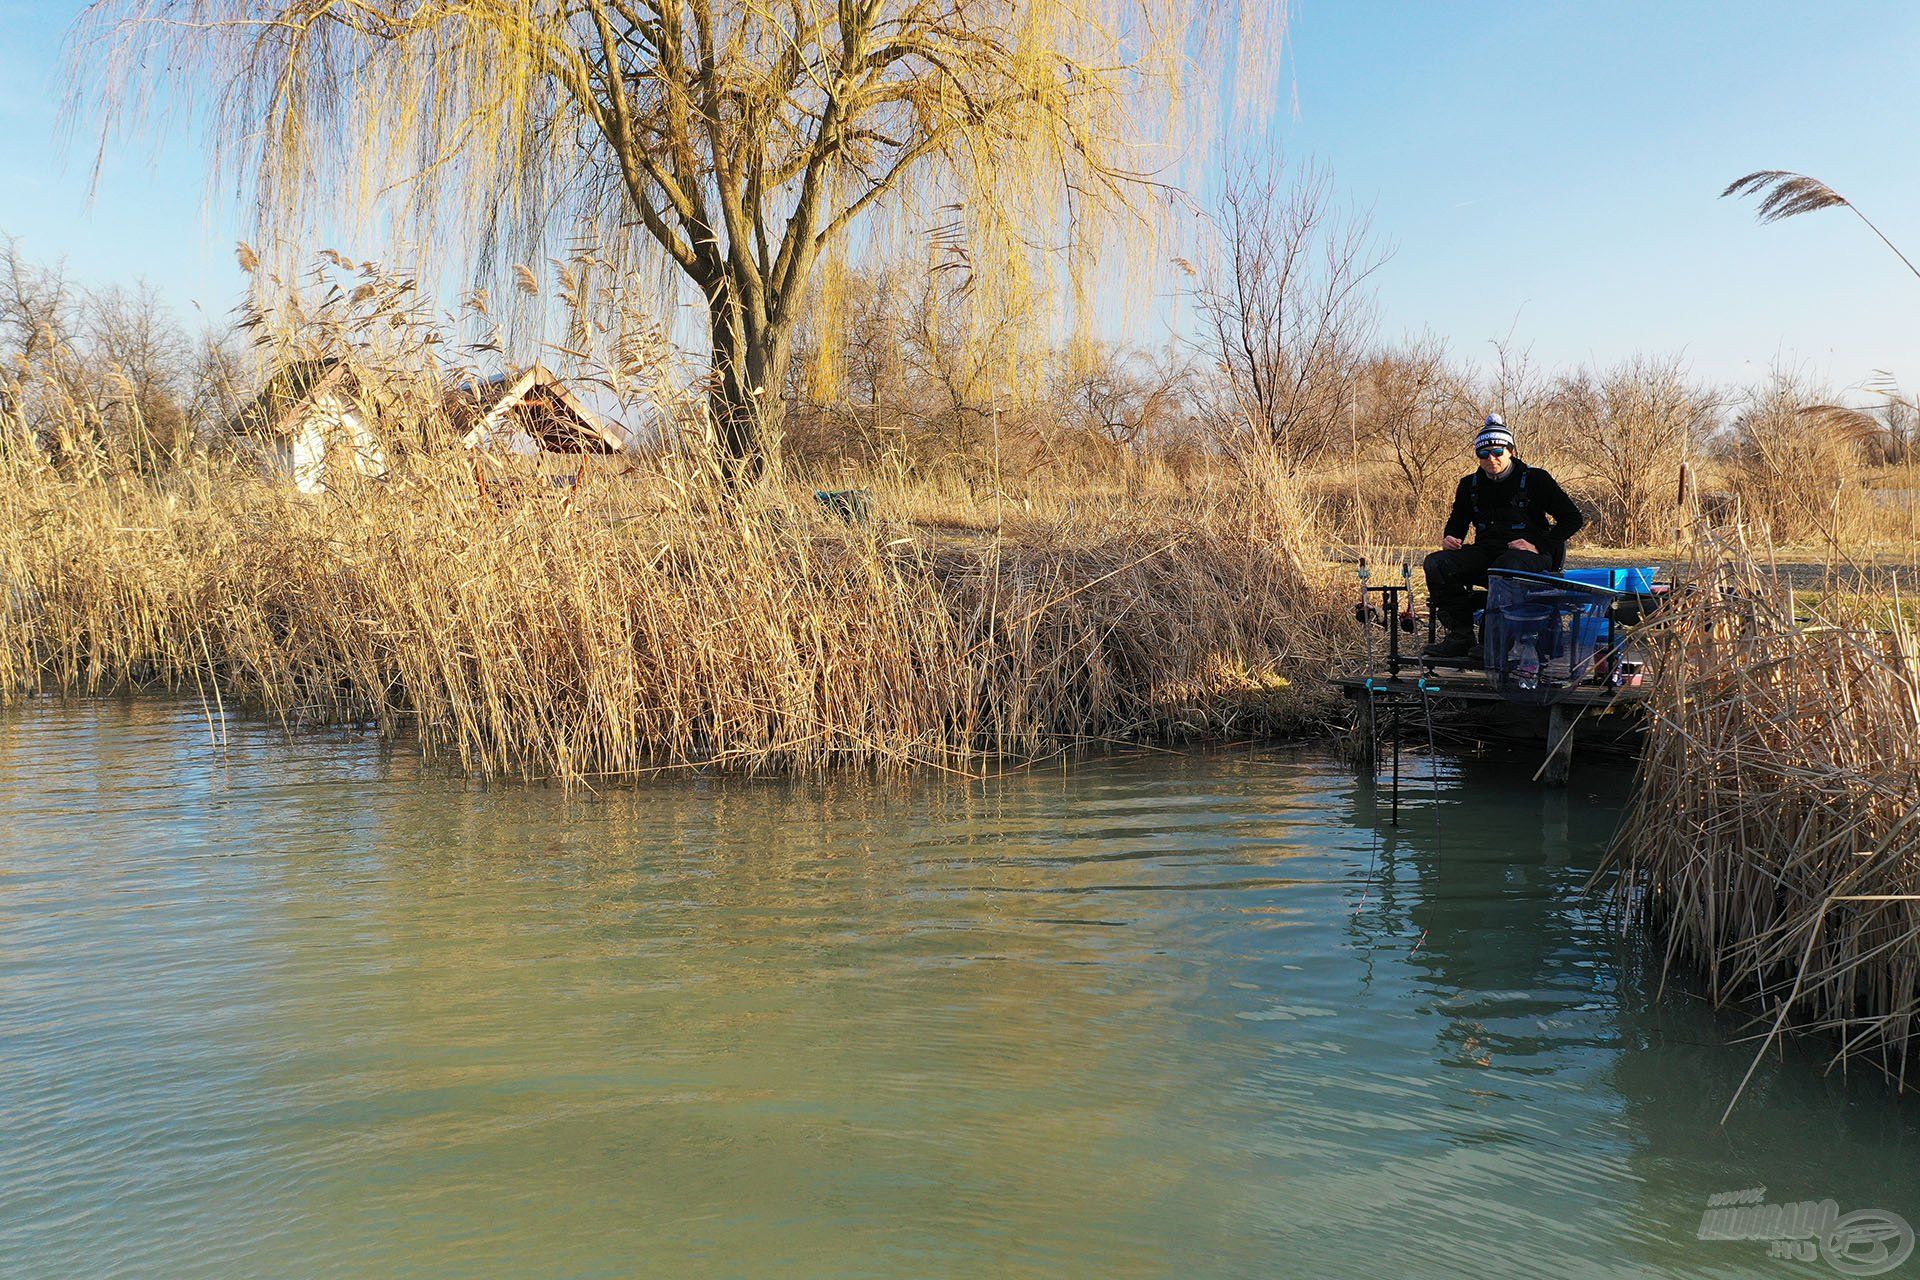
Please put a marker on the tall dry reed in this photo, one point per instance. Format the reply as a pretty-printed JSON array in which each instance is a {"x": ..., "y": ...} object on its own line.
[
  {"x": 1774, "y": 834},
  {"x": 656, "y": 618},
  {"x": 655, "y": 614}
]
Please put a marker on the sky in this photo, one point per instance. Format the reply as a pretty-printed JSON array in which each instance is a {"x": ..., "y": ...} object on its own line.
[{"x": 1541, "y": 170}]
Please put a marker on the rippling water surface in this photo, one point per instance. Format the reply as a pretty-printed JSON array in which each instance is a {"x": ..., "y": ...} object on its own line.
[{"x": 309, "y": 1008}]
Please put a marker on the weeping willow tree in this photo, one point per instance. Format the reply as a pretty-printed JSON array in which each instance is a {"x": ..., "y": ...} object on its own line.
[{"x": 737, "y": 145}]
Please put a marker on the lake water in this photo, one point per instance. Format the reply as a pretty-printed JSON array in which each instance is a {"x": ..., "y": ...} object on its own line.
[{"x": 310, "y": 1008}]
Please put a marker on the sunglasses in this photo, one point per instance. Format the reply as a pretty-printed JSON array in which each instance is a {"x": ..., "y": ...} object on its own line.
[{"x": 1493, "y": 451}]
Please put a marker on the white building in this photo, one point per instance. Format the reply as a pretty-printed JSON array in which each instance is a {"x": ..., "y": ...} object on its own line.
[
  {"x": 312, "y": 424},
  {"x": 527, "y": 414}
]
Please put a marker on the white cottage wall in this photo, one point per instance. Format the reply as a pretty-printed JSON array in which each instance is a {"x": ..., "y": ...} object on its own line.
[{"x": 331, "y": 439}]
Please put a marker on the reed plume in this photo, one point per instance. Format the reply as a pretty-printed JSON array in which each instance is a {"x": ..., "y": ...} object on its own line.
[{"x": 1785, "y": 194}]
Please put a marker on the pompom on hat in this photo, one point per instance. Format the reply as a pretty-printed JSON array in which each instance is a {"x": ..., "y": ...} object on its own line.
[{"x": 1494, "y": 432}]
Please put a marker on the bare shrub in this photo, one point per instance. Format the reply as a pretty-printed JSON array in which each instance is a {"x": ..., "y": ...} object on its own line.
[
  {"x": 88, "y": 374},
  {"x": 1630, "y": 429},
  {"x": 1796, "y": 472},
  {"x": 1126, "y": 397},
  {"x": 929, "y": 384},
  {"x": 1286, "y": 312},
  {"x": 138, "y": 361},
  {"x": 1898, "y": 439},
  {"x": 1520, "y": 391},
  {"x": 1415, "y": 408}
]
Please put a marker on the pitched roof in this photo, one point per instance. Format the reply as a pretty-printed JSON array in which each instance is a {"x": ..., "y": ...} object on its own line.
[
  {"x": 534, "y": 400},
  {"x": 293, "y": 388}
]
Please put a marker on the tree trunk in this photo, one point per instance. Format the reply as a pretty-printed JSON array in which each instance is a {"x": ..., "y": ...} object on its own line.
[{"x": 747, "y": 400}]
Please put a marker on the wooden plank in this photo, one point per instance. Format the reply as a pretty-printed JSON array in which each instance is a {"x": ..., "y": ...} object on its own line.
[{"x": 1475, "y": 688}]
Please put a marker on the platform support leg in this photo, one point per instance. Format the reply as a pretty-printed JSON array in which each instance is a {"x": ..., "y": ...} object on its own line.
[
  {"x": 1361, "y": 745},
  {"x": 1559, "y": 746}
]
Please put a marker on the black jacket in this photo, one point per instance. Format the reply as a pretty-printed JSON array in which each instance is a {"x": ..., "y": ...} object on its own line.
[{"x": 1527, "y": 503}]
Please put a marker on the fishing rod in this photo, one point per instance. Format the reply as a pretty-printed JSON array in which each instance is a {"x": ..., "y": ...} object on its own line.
[
  {"x": 1365, "y": 614},
  {"x": 1393, "y": 618},
  {"x": 1392, "y": 601},
  {"x": 1427, "y": 687},
  {"x": 1396, "y": 614}
]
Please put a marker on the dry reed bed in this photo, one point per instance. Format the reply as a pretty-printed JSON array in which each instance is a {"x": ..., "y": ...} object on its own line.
[
  {"x": 617, "y": 635},
  {"x": 1775, "y": 831}
]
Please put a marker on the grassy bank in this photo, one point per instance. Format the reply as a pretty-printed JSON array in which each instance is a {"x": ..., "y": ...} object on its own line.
[{"x": 655, "y": 619}]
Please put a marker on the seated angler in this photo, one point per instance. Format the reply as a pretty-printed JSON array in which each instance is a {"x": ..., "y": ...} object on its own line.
[{"x": 1521, "y": 519}]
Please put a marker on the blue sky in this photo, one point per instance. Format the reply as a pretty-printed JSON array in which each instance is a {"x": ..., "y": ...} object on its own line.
[
  {"x": 1545, "y": 169},
  {"x": 1553, "y": 169}
]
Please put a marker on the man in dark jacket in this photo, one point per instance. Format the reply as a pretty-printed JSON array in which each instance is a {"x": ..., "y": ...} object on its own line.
[{"x": 1521, "y": 519}]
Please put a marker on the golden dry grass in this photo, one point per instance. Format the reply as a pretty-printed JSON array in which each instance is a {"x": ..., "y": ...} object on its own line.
[
  {"x": 660, "y": 620},
  {"x": 1775, "y": 831}
]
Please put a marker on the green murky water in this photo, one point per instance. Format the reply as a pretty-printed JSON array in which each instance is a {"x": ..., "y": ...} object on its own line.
[{"x": 311, "y": 1009}]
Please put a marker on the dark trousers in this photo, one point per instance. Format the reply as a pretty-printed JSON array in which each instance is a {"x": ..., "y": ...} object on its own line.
[{"x": 1450, "y": 575}]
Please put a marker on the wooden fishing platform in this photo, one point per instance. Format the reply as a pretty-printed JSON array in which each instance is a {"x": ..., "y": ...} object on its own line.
[{"x": 1417, "y": 687}]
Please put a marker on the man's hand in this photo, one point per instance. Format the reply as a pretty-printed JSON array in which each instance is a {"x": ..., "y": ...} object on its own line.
[
  {"x": 1521, "y": 544},
  {"x": 1451, "y": 544}
]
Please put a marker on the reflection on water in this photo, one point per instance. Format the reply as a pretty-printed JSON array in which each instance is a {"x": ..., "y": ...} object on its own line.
[{"x": 311, "y": 1009}]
